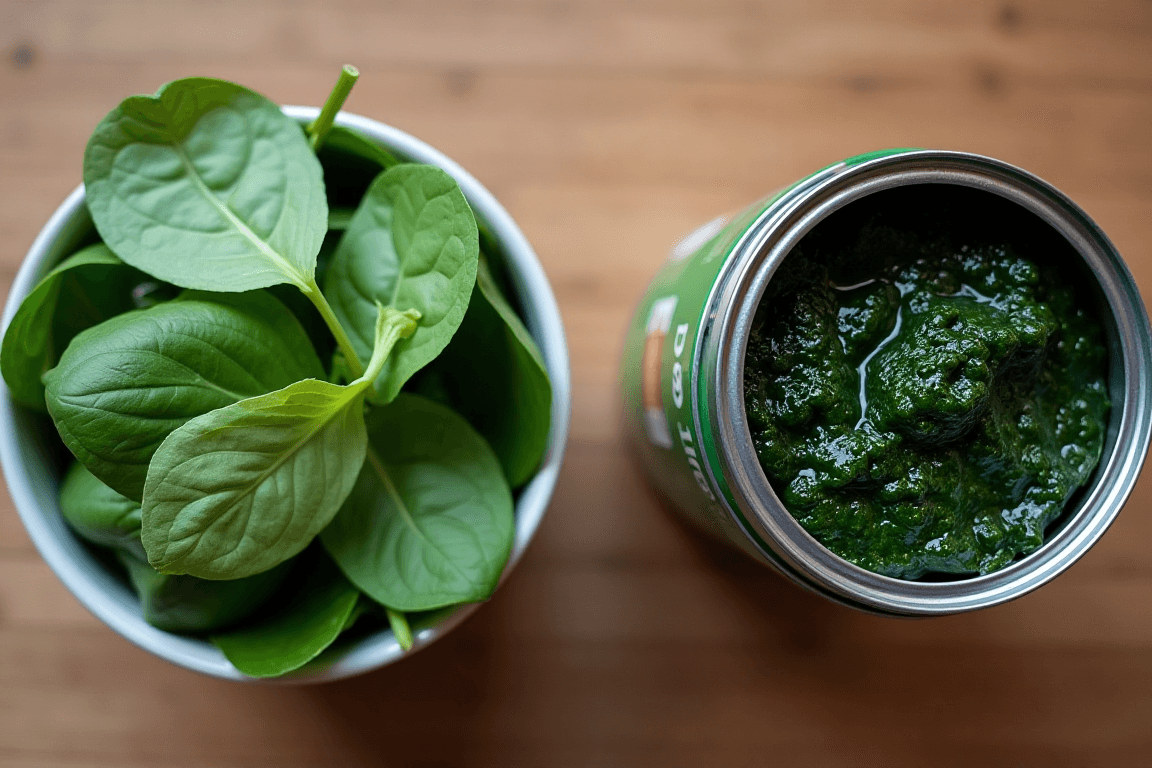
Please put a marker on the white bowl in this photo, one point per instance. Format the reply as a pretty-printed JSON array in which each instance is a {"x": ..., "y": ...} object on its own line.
[{"x": 33, "y": 478}]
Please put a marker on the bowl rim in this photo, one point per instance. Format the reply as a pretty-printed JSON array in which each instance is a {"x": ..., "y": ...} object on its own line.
[{"x": 33, "y": 487}]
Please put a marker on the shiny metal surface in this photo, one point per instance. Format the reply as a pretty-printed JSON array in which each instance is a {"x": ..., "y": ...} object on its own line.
[
  {"x": 1130, "y": 383},
  {"x": 33, "y": 479}
]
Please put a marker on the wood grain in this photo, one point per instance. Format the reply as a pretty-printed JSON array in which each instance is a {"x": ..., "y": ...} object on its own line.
[{"x": 608, "y": 128}]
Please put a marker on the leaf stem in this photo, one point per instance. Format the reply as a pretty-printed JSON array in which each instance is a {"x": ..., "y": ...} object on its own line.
[
  {"x": 399, "y": 623},
  {"x": 391, "y": 326},
  {"x": 351, "y": 359},
  {"x": 318, "y": 130}
]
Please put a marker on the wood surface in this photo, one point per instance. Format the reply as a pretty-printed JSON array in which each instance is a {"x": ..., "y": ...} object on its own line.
[{"x": 608, "y": 128}]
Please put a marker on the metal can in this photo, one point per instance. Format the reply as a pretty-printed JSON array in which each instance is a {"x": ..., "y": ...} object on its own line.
[{"x": 683, "y": 369}]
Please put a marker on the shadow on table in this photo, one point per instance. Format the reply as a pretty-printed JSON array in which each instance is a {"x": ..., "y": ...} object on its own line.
[{"x": 414, "y": 712}]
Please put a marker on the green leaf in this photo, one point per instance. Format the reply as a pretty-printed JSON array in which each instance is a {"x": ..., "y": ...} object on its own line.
[
  {"x": 429, "y": 522},
  {"x": 122, "y": 386},
  {"x": 315, "y": 606},
  {"x": 412, "y": 244},
  {"x": 242, "y": 488},
  {"x": 207, "y": 185},
  {"x": 99, "y": 514},
  {"x": 301, "y": 306},
  {"x": 188, "y": 604},
  {"x": 351, "y": 142},
  {"x": 496, "y": 378},
  {"x": 340, "y": 218},
  {"x": 93, "y": 285},
  {"x": 351, "y": 162}
]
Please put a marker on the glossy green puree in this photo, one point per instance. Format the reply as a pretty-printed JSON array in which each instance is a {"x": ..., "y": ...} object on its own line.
[{"x": 923, "y": 396}]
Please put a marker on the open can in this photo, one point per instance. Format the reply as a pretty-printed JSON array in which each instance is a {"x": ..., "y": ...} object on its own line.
[{"x": 683, "y": 380}]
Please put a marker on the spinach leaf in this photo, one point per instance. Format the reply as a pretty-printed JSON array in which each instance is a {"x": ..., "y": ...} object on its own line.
[
  {"x": 207, "y": 185},
  {"x": 173, "y": 603},
  {"x": 412, "y": 244},
  {"x": 314, "y": 607},
  {"x": 99, "y": 514},
  {"x": 496, "y": 378},
  {"x": 351, "y": 162},
  {"x": 124, "y": 385},
  {"x": 429, "y": 522},
  {"x": 242, "y": 488},
  {"x": 188, "y": 604},
  {"x": 92, "y": 285},
  {"x": 304, "y": 309},
  {"x": 351, "y": 142},
  {"x": 339, "y": 218}
]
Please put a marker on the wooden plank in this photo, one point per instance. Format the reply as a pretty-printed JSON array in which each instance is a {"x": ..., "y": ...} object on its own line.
[
  {"x": 13, "y": 539},
  {"x": 31, "y": 597},
  {"x": 545, "y": 703},
  {"x": 984, "y": 45}
]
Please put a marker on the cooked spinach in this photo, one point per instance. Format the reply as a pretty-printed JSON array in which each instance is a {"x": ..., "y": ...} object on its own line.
[{"x": 214, "y": 441}]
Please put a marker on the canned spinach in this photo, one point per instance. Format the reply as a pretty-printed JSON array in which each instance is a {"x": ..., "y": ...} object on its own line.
[{"x": 915, "y": 382}]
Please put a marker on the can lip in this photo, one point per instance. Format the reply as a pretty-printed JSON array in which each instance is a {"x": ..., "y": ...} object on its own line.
[{"x": 755, "y": 260}]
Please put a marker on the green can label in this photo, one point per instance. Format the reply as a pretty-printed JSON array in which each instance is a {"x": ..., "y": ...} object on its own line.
[
  {"x": 665, "y": 397},
  {"x": 660, "y": 377}
]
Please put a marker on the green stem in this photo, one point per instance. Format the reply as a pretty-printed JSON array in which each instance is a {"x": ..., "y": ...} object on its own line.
[
  {"x": 399, "y": 623},
  {"x": 351, "y": 359},
  {"x": 318, "y": 130},
  {"x": 391, "y": 326}
]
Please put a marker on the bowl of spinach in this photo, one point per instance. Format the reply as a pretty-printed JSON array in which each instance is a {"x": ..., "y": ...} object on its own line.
[{"x": 286, "y": 389}]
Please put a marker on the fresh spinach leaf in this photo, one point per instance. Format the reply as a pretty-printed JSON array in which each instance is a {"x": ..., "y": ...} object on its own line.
[
  {"x": 314, "y": 607},
  {"x": 207, "y": 185},
  {"x": 304, "y": 309},
  {"x": 496, "y": 378},
  {"x": 92, "y": 286},
  {"x": 122, "y": 386},
  {"x": 352, "y": 142},
  {"x": 429, "y": 522},
  {"x": 244, "y": 487},
  {"x": 351, "y": 162},
  {"x": 188, "y": 604},
  {"x": 99, "y": 514},
  {"x": 412, "y": 244},
  {"x": 173, "y": 603},
  {"x": 339, "y": 218},
  {"x": 235, "y": 491}
]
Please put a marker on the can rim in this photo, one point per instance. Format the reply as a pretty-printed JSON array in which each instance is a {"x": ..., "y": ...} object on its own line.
[{"x": 733, "y": 307}]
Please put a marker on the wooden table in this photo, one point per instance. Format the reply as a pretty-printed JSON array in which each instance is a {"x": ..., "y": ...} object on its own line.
[{"x": 608, "y": 128}]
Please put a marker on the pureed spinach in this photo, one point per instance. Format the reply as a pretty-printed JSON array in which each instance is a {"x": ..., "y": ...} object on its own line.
[
  {"x": 255, "y": 371},
  {"x": 925, "y": 389}
]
